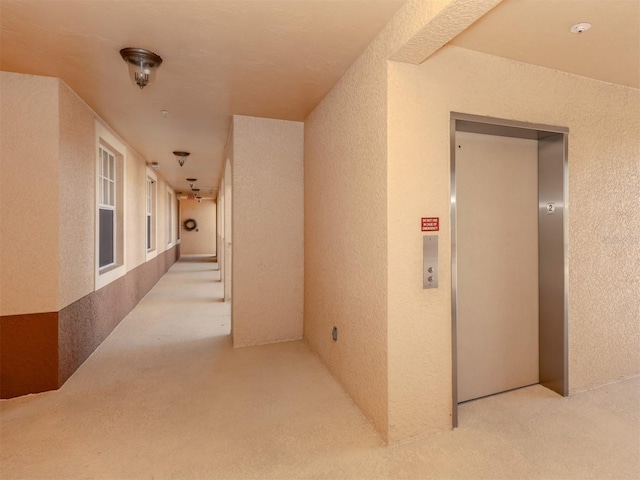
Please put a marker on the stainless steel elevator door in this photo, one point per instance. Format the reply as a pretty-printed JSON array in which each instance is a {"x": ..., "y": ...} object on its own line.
[{"x": 497, "y": 263}]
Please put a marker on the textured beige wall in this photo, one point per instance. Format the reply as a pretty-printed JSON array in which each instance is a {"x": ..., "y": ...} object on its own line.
[
  {"x": 135, "y": 209},
  {"x": 29, "y": 203},
  {"x": 202, "y": 241},
  {"x": 48, "y": 198},
  {"x": 604, "y": 218},
  {"x": 228, "y": 231},
  {"x": 161, "y": 212},
  {"x": 77, "y": 197},
  {"x": 267, "y": 212},
  {"x": 135, "y": 171},
  {"x": 345, "y": 219}
]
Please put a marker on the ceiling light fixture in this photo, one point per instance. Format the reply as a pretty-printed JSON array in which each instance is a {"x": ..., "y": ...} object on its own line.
[
  {"x": 181, "y": 157},
  {"x": 580, "y": 27},
  {"x": 141, "y": 64},
  {"x": 192, "y": 182}
]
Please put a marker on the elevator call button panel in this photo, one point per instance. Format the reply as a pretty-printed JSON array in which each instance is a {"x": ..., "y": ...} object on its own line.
[{"x": 430, "y": 261}]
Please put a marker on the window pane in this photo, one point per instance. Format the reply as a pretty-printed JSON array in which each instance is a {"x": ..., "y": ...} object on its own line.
[
  {"x": 107, "y": 250},
  {"x": 112, "y": 194},
  {"x": 112, "y": 167},
  {"x": 104, "y": 164},
  {"x": 148, "y": 232}
]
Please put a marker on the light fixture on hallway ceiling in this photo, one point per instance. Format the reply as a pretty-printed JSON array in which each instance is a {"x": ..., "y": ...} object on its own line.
[
  {"x": 181, "y": 157},
  {"x": 155, "y": 165},
  {"x": 192, "y": 182},
  {"x": 142, "y": 64}
]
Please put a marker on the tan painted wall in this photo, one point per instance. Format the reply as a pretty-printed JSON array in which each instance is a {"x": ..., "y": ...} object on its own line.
[
  {"x": 202, "y": 241},
  {"x": 161, "y": 212},
  {"x": 267, "y": 213},
  {"x": 228, "y": 231},
  {"x": 136, "y": 178},
  {"x": 604, "y": 218},
  {"x": 29, "y": 200},
  {"x": 346, "y": 219},
  {"x": 48, "y": 197},
  {"x": 77, "y": 197},
  {"x": 135, "y": 204}
]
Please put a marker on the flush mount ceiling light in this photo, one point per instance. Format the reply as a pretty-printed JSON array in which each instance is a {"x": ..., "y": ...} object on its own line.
[
  {"x": 580, "y": 27},
  {"x": 142, "y": 64},
  {"x": 192, "y": 182},
  {"x": 181, "y": 157}
]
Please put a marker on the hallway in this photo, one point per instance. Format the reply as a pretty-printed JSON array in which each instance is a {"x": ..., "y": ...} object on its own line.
[{"x": 166, "y": 396}]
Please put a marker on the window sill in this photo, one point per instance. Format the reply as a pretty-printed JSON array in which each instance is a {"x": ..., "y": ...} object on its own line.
[{"x": 108, "y": 275}]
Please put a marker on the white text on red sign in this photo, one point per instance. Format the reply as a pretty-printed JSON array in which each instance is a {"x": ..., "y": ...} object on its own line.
[{"x": 430, "y": 224}]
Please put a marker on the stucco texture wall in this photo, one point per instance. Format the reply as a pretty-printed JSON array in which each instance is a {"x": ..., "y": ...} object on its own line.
[
  {"x": 202, "y": 241},
  {"x": 268, "y": 255},
  {"x": 604, "y": 218},
  {"x": 29, "y": 201},
  {"x": 346, "y": 219},
  {"x": 135, "y": 205},
  {"x": 48, "y": 197},
  {"x": 77, "y": 197}
]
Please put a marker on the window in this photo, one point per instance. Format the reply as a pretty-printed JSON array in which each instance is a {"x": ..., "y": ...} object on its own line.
[
  {"x": 109, "y": 207},
  {"x": 150, "y": 214},
  {"x": 169, "y": 217}
]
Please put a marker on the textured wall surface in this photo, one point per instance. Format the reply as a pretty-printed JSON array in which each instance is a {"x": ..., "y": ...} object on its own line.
[
  {"x": 604, "y": 218},
  {"x": 449, "y": 18},
  {"x": 77, "y": 198},
  {"x": 345, "y": 219},
  {"x": 135, "y": 209},
  {"x": 202, "y": 241},
  {"x": 28, "y": 194},
  {"x": 228, "y": 231},
  {"x": 268, "y": 255},
  {"x": 83, "y": 325},
  {"x": 47, "y": 225}
]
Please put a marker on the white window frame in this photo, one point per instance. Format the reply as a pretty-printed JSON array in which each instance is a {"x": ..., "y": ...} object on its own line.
[
  {"x": 107, "y": 195},
  {"x": 151, "y": 208},
  {"x": 106, "y": 140},
  {"x": 170, "y": 217}
]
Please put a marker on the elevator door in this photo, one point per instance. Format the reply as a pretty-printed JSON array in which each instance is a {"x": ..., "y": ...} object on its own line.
[{"x": 497, "y": 263}]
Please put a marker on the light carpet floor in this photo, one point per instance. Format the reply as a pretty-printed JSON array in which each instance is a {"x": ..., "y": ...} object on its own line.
[{"x": 166, "y": 396}]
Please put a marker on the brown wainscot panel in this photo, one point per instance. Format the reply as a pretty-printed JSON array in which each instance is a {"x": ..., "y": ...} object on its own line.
[
  {"x": 40, "y": 351},
  {"x": 28, "y": 354}
]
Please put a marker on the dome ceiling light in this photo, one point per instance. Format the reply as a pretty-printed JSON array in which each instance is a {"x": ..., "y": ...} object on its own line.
[
  {"x": 142, "y": 64},
  {"x": 181, "y": 157}
]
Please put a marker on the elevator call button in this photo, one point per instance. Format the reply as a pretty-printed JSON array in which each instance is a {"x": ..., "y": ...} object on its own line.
[{"x": 430, "y": 224}]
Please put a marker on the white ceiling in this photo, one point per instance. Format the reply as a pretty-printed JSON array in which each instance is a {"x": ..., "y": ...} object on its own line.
[
  {"x": 268, "y": 58},
  {"x": 537, "y": 32},
  {"x": 265, "y": 58}
]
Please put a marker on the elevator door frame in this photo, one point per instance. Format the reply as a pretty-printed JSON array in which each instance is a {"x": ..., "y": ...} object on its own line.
[{"x": 552, "y": 243}]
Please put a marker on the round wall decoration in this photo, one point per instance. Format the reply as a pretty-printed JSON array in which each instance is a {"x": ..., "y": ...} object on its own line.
[{"x": 190, "y": 224}]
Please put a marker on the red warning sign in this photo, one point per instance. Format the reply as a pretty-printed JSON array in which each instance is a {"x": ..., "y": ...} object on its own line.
[{"x": 430, "y": 224}]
